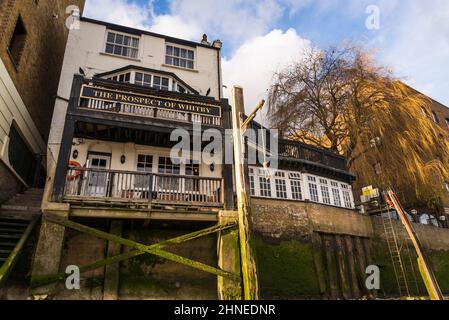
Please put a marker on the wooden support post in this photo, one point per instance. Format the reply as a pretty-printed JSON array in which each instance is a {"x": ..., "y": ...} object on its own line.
[
  {"x": 350, "y": 254},
  {"x": 248, "y": 265},
  {"x": 342, "y": 268},
  {"x": 66, "y": 141},
  {"x": 331, "y": 264},
  {"x": 228, "y": 258},
  {"x": 49, "y": 248},
  {"x": 112, "y": 271},
  {"x": 227, "y": 172},
  {"x": 317, "y": 247}
]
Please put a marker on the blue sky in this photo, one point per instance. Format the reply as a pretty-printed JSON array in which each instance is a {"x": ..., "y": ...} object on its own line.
[{"x": 263, "y": 36}]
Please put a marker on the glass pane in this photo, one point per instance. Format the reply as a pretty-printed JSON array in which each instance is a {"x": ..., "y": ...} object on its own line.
[
  {"x": 183, "y": 63},
  {"x": 190, "y": 64},
  {"x": 126, "y": 41},
  {"x": 119, "y": 39},
  {"x": 191, "y": 55},
  {"x": 165, "y": 82},
  {"x": 176, "y": 61},
  {"x": 157, "y": 80},
  {"x": 127, "y": 77},
  {"x": 134, "y": 53},
  {"x": 139, "y": 78},
  {"x": 169, "y": 50},
  {"x": 109, "y": 48},
  {"x": 111, "y": 37},
  {"x": 125, "y": 51},
  {"x": 135, "y": 43},
  {"x": 168, "y": 60},
  {"x": 183, "y": 53},
  {"x": 118, "y": 50},
  {"x": 147, "y": 78},
  {"x": 176, "y": 52}
]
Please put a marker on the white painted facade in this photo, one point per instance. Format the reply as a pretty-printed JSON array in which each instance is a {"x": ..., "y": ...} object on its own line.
[
  {"x": 86, "y": 49},
  {"x": 13, "y": 110}
]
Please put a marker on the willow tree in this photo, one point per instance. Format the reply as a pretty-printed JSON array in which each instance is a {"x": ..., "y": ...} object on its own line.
[{"x": 340, "y": 99}]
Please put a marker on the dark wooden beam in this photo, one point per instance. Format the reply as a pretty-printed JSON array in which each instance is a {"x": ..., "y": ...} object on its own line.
[{"x": 66, "y": 141}]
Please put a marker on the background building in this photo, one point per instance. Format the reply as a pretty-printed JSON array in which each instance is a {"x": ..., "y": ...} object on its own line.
[{"x": 33, "y": 36}]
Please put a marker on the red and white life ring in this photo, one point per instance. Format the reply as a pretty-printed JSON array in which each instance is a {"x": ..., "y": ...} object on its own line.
[{"x": 75, "y": 174}]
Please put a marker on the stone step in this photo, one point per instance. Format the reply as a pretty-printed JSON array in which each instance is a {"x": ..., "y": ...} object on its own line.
[
  {"x": 5, "y": 251},
  {"x": 27, "y": 196},
  {"x": 20, "y": 207},
  {"x": 10, "y": 236},
  {"x": 29, "y": 204},
  {"x": 11, "y": 230},
  {"x": 19, "y": 215}
]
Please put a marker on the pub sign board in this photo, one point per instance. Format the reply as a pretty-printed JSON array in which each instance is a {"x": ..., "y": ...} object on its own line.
[{"x": 92, "y": 92}]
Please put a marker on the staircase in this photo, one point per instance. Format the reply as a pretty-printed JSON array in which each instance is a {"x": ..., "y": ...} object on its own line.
[{"x": 18, "y": 217}]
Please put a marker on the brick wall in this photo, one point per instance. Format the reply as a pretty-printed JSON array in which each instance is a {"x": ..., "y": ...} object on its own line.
[{"x": 36, "y": 76}]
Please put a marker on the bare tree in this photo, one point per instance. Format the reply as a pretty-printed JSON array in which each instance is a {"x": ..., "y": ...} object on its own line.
[{"x": 341, "y": 100}]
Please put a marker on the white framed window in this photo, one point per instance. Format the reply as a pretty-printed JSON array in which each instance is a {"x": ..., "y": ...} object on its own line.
[
  {"x": 287, "y": 185},
  {"x": 179, "y": 57},
  {"x": 252, "y": 185},
  {"x": 144, "y": 165},
  {"x": 143, "y": 79},
  {"x": 336, "y": 194},
  {"x": 281, "y": 188},
  {"x": 325, "y": 191},
  {"x": 264, "y": 187},
  {"x": 123, "y": 77},
  {"x": 313, "y": 189},
  {"x": 153, "y": 81},
  {"x": 296, "y": 189},
  {"x": 166, "y": 166},
  {"x": 346, "y": 196},
  {"x": 122, "y": 45}
]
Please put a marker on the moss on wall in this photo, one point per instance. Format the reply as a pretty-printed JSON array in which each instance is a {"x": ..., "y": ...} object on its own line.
[
  {"x": 439, "y": 261},
  {"x": 286, "y": 270}
]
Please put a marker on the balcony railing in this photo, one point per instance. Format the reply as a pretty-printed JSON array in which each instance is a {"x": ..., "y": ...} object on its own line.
[
  {"x": 300, "y": 151},
  {"x": 104, "y": 96},
  {"x": 128, "y": 186}
]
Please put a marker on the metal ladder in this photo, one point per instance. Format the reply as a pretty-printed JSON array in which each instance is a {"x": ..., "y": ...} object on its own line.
[{"x": 395, "y": 254}]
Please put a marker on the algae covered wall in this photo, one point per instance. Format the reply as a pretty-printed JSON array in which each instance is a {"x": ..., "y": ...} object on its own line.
[{"x": 312, "y": 251}]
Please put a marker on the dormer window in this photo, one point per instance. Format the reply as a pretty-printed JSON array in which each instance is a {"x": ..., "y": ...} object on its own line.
[
  {"x": 153, "y": 81},
  {"x": 122, "y": 45},
  {"x": 149, "y": 78},
  {"x": 124, "y": 77},
  {"x": 179, "y": 57}
]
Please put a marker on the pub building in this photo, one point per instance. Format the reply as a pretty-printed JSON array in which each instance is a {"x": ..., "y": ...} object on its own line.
[{"x": 122, "y": 92}]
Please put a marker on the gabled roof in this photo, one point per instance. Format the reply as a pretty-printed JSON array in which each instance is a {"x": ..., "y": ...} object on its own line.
[
  {"x": 143, "y": 69},
  {"x": 139, "y": 32}
]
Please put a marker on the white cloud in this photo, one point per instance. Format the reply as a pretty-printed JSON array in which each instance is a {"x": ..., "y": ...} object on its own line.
[
  {"x": 254, "y": 63},
  {"x": 121, "y": 12},
  {"x": 175, "y": 26}
]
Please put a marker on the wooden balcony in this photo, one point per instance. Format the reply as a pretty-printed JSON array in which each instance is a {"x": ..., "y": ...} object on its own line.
[
  {"x": 299, "y": 151},
  {"x": 140, "y": 188},
  {"x": 147, "y": 104}
]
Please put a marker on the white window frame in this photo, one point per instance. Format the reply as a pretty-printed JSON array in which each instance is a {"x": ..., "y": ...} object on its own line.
[
  {"x": 336, "y": 190},
  {"x": 173, "y": 57},
  {"x": 129, "y": 47}
]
